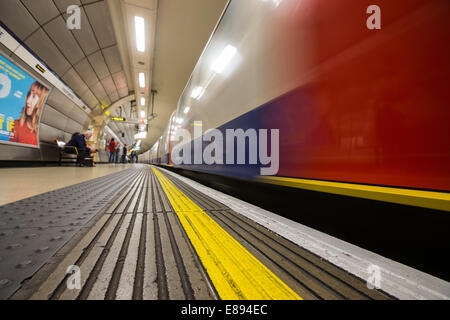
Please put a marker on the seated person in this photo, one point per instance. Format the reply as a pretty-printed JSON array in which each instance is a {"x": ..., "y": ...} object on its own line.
[{"x": 78, "y": 140}]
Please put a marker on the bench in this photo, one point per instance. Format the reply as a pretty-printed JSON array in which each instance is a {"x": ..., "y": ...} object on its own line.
[{"x": 77, "y": 156}]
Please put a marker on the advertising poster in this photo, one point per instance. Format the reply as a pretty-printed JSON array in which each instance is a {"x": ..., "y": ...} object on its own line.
[{"x": 22, "y": 99}]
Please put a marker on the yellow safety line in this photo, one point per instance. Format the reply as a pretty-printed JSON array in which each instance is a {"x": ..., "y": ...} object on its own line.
[
  {"x": 235, "y": 272},
  {"x": 426, "y": 199}
]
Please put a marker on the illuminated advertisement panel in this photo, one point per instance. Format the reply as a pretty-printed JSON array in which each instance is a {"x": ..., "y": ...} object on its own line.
[{"x": 22, "y": 99}]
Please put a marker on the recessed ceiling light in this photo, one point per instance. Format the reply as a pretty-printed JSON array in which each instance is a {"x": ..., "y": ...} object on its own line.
[
  {"x": 142, "y": 79},
  {"x": 139, "y": 23}
]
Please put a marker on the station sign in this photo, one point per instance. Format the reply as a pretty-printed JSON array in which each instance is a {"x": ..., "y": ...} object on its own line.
[{"x": 118, "y": 119}]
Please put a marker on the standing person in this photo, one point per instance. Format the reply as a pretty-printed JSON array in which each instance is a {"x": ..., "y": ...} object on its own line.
[
  {"x": 124, "y": 154},
  {"x": 25, "y": 129},
  {"x": 116, "y": 154},
  {"x": 107, "y": 148},
  {"x": 112, "y": 150},
  {"x": 133, "y": 156}
]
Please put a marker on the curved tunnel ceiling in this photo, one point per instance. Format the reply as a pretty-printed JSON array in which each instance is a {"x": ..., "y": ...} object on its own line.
[
  {"x": 182, "y": 32},
  {"x": 87, "y": 60},
  {"x": 90, "y": 61}
]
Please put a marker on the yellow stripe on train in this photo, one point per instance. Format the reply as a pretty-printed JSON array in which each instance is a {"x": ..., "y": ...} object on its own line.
[{"x": 418, "y": 198}]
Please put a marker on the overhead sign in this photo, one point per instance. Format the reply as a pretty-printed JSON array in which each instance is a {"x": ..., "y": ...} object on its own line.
[
  {"x": 118, "y": 119},
  {"x": 22, "y": 99},
  {"x": 40, "y": 68}
]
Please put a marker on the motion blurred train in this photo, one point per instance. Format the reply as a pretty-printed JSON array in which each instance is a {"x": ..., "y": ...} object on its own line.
[{"x": 353, "y": 104}]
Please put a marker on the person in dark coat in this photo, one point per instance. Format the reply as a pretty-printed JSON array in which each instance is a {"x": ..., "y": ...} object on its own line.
[
  {"x": 133, "y": 156},
  {"x": 78, "y": 140},
  {"x": 124, "y": 154}
]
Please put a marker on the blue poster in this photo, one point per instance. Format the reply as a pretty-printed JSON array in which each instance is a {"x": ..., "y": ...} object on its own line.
[{"x": 22, "y": 99}]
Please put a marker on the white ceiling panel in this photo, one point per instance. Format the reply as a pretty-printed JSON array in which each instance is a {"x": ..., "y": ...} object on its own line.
[
  {"x": 78, "y": 116},
  {"x": 99, "y": 65},
  {"x": 54, "y": 118},
  {"x": 85, "y": 35},
  {"x": 98, "y": 90},
  {"x": 65, "y": 109},
  {"x": 100, "y": 93},
  {"x": 63, "y": 4},
  {"x": 114, "y": 96},
  {"x": 64, "y": 40},
  {"x": 90, "y": 99},
  {"x": 123, "y": 92},
  {"x": 16, "y": 17},
  {"x": 112, "y": 58},
  {"x": 59, "y": 101},
  {"x": 72, "y": 127},
  {"x": 109, "y": 85},
  {"x": 48, "y": 133},
  {"x": 98, "y": 13},
  {"x": 43, "y": 11},
  {"x": 120, "y": 80},
  {"x": 48, "y": 52},
  {"x": 75, "y": 82},
  {"x": 86, "y": 72}
]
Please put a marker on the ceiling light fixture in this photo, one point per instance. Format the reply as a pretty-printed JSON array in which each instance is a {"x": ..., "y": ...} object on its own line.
[
  {"x": 186, "y": 110},
  {"x": 142, "y": 79},
  {"x": 139, "y": 23}
]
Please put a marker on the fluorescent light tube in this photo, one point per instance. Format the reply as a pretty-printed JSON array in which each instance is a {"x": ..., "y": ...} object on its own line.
[
  {"x": 139, "y": 23},
  {"x": 141, "y": 79}
]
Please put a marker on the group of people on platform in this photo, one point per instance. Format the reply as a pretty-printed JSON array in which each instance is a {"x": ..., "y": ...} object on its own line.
[
  {"x": 79, "y": 140},
  {"x": 113, "y": 151}
]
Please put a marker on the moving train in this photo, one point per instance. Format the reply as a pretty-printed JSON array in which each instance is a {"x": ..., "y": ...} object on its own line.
[{"x": 356, "y": 93}]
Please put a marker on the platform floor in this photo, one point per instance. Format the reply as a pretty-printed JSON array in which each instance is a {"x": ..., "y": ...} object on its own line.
[
  {"x": 144, "y": 234},
  {"x": 20, "y": 183}
]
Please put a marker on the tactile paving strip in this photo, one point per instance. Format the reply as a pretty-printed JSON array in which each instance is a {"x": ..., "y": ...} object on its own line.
[
  {"x": 308, "y": 274},
  {"x": 136, "y": 250},
  {"x": 34, "y": 229}
]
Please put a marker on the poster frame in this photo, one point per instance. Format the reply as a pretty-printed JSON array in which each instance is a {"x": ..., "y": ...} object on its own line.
[{"x": 49, "y": 88}]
